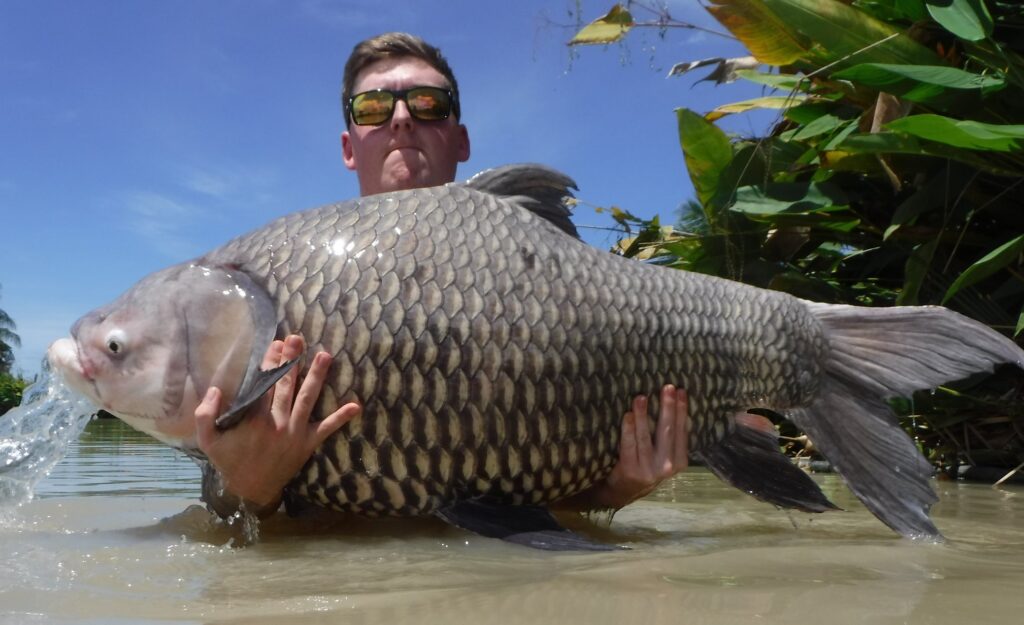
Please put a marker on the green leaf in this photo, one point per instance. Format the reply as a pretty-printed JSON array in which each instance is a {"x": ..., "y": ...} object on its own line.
[
  {"x": 769, "y": 102},
  {"x": 918, "y": 83},
  {"x": 608, "y": 28},
  {"x": 817, "y": 33},
  {"x": 881, "y": 142},
  {"x": 991, "y": 263},
  {"x": 1020, "y": 324},
  {"x": 823, "y": 125},
  {"x": 789, "y": 197},
  {"x": 912, "y": 9},
  {"x": 967, "y": 19},
  {"x": 841, "y": 136},
  {"x": 927, "y": 198},
  {"x": 915, "y": 271},
  {"x": 961, "y": 133},
  {"x": 782, "y": 82},
  {"x": 707, "y": 152}
]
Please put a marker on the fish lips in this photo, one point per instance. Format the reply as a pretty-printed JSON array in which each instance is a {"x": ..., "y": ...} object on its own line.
[{"x": 65, "y": 356}]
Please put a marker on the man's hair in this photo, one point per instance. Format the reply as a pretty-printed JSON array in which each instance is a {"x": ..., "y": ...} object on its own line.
[{"x": 394, "y": 45}]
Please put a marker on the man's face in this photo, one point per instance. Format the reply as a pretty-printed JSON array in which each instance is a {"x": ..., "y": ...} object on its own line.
[{"x": 403, "y": 152}]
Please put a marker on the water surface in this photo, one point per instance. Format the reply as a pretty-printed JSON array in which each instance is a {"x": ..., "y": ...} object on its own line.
[{"x": 113, "y": 536}]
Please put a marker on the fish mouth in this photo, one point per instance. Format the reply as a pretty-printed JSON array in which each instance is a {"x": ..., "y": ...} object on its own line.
[{"x": 79, "y": 373}]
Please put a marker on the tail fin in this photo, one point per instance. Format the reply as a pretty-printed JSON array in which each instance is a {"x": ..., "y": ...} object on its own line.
[{"x": 878, "y": 353}]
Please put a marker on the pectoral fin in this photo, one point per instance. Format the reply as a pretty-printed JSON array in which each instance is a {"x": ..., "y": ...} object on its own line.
[
  {"x": 532, "y": 526},
  {"x": 255, "y": 387}
]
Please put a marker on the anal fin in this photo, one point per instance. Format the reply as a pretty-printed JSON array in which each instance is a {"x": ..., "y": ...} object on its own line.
[
  {"x": 532, "y": 526},
  {"x": 750, "y": 460}
]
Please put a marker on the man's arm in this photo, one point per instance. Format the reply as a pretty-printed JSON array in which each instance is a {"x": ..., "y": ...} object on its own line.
[{"x": 256, "y": 459}]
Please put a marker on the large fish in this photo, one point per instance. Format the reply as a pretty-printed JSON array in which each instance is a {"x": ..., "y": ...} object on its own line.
[{"x": 494, "y": 354}]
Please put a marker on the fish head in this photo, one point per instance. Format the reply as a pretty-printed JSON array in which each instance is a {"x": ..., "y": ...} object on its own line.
[{"x": 149, "y": 356}]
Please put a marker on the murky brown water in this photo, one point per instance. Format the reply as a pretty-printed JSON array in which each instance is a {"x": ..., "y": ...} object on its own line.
[{"x": 111, "y": 538}]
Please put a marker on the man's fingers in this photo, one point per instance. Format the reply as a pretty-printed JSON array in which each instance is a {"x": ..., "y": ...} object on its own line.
[
  {"x": 284, "y": 390},
  {"x": 644, "y": 450},
  {"x": 627, "y": 441},
  {"x": 273, "y": 355},
  {"x": 664, "y": 440},
  {"x": 310, "y": 389},
  {"x": 206, "y": 413},
  {"x": 681, "y": 448},
  {"x": 335, "y": 420}
]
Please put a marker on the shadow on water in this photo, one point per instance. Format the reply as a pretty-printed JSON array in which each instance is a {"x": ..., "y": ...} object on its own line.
[{"x": 113, "y": 535}]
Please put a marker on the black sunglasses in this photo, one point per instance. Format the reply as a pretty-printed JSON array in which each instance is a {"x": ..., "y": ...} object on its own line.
[{"x": 373, "y": 108}]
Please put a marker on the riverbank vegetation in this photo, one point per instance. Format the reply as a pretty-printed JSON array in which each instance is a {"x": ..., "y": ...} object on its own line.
[
  {"x": 10, "y": 386},
  {"x": 890, "y": 176}
]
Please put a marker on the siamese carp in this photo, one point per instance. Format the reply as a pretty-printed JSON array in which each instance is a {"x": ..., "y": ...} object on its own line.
[{"x": 494, "y": 354}]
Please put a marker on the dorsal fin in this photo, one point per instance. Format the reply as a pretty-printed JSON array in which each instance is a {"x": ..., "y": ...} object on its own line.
[{"x": 537, "y": 188}]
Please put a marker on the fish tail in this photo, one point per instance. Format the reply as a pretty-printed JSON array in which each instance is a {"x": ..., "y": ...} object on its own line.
[{"x": 876, "y": 354}]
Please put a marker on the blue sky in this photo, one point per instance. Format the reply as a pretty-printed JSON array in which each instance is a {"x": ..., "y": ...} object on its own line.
[{"x": 137, "y": 134}]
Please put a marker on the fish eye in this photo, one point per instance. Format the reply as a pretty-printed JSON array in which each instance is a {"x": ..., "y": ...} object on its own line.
[{"x": 115, "y": 343}]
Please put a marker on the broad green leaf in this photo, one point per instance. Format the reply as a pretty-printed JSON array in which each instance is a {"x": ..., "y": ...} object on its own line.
[
  {"x": 966, "y": 134},
  {"x": 991, "y": 263},
  {"x": 925, "y": 199},
  {"x": 912, "y": 9},
  {"x": 823, "y": 125},
  {"x": 817, "y": 33},
  {"x": 841, "y": 136},
  {"x": 608, "y": 28},
  {"x": 707, "y": 152},
  {"x": 770, "y": 102},
  {"x": 915, "y": 271},
  {"x": 762, "y": 31},
  {"x": 782, "y": 82},
  {"x": 1020, "y": 324},
  {"x": 896, "y": 143},
  {"x": 788, "y": 198},
  {"x": 918, "y": 83},
  {"x": 967, "y": 19}
]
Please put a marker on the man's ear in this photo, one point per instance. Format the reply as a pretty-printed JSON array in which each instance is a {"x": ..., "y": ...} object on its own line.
[
  {"x": 348, "y": 155},
  {"x": 463, "y": 143}
]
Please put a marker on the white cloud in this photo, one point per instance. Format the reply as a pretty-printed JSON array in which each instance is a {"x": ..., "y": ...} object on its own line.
[
  {"x": 162, "y": 221},
  {"x": 350, "y": 15},
  {"x": 231, "y": 183}
]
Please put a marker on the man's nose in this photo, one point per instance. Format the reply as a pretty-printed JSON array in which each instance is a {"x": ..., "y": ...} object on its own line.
[{"x": 401, "y": 118}]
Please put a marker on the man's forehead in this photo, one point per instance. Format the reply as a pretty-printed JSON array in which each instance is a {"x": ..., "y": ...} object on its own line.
[{"x": 398, "y": 72}]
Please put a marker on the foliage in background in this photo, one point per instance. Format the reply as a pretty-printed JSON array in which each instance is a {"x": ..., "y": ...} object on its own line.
[
  {"x": 891, "y": 176},
  {"x": 8, "y": 339},
  {"x": 11, "y": 389}
]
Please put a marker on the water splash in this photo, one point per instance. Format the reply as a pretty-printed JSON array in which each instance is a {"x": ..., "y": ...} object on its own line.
[{"x": 36, "y": 435}]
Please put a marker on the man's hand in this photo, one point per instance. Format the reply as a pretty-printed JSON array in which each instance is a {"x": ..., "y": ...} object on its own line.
[
  {"x": 257, "y": 458},
  {"x": 642, "y": 464}
]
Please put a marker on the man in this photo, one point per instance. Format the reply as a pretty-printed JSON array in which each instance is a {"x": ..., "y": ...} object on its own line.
[{"x": 401, "y": 103}]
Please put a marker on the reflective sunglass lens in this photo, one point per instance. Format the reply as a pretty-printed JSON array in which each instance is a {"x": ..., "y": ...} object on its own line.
[
  {"x": 428, "y": 103},
  {"x": 372, "y": 107}
]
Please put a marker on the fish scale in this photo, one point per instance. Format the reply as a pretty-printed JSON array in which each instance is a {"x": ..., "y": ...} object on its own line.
[{"x": 493, "y": 355}]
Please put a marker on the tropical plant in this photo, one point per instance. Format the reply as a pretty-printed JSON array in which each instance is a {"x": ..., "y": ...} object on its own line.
[
  {"x": 11, "y": 389},
  {"x": 890, "y": 176},
  {"x": 8, "y": 339}
]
